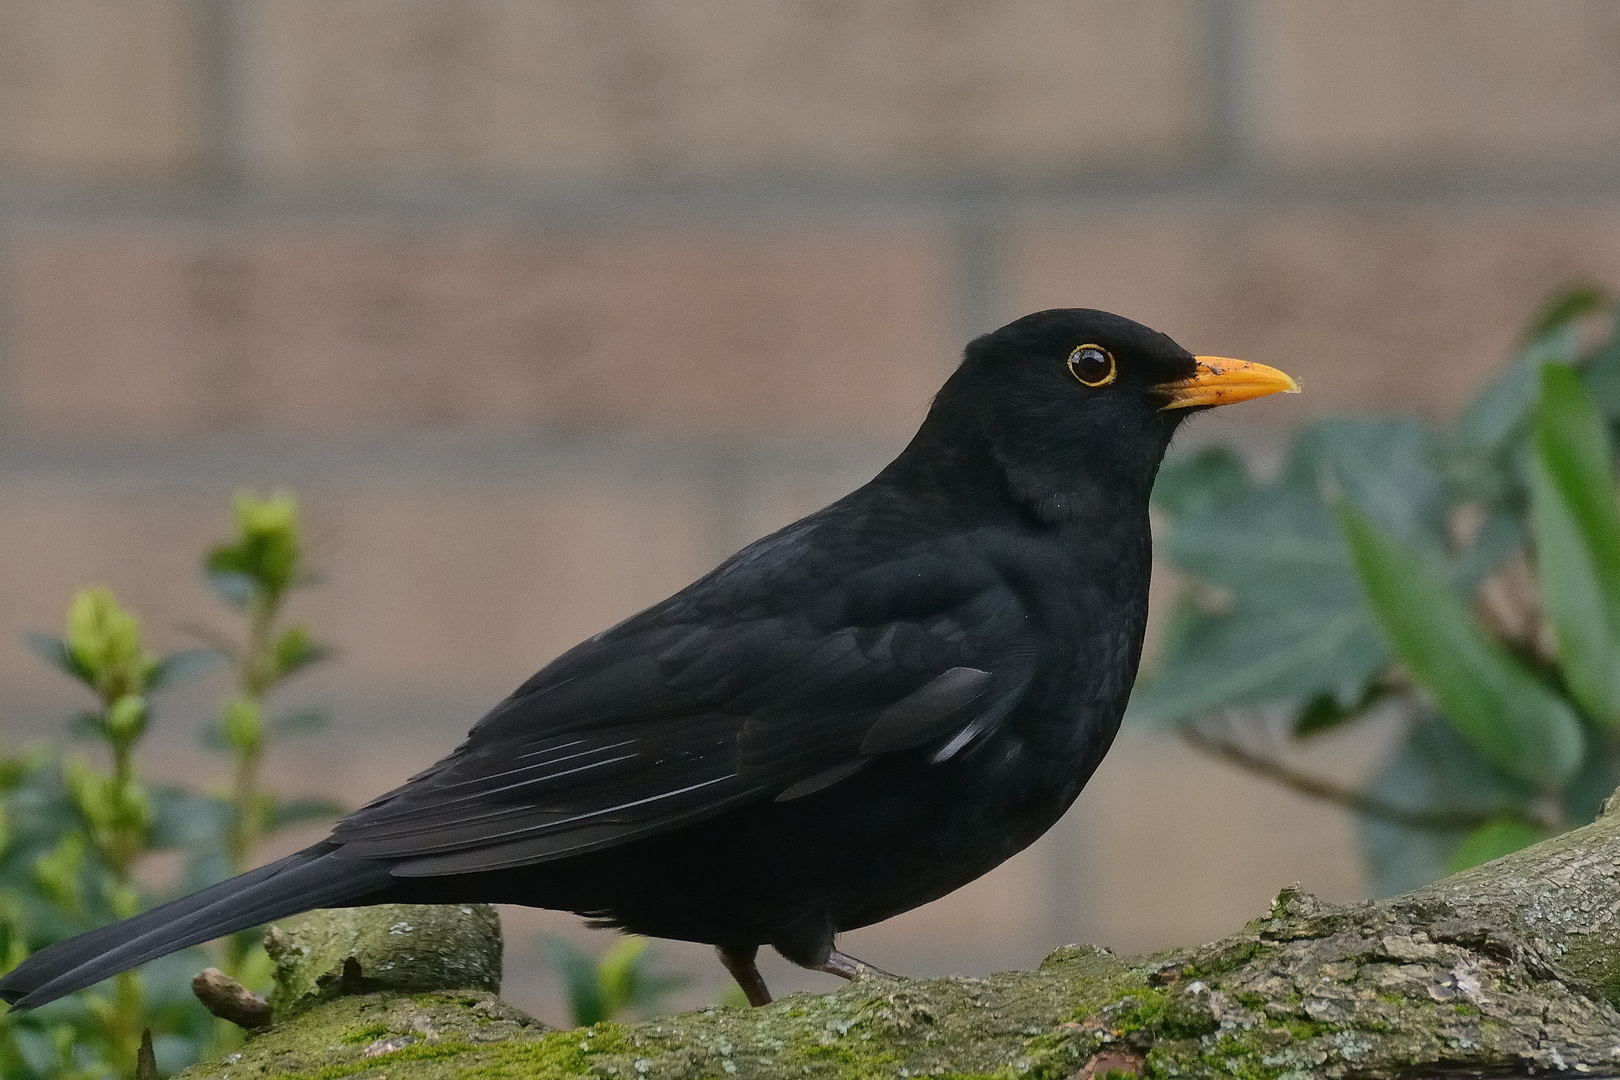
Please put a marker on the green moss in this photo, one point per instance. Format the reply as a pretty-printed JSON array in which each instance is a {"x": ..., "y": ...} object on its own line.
[
  {"x": 556, "y": 1056},
  {"x": 1592, "y": 957},
  {"x": 1226, "y": 957},
  {"x": 1254, "y": 1054},
  {"x": 389, "y": 947},
  {"x": 1043, "y": 1025},
  {"x": 415, "y": 1052},
  {"x": 1014, "y": 1026}
]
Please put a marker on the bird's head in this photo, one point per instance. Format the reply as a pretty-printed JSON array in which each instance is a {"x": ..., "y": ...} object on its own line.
[{"x": 1074, "y": 399}]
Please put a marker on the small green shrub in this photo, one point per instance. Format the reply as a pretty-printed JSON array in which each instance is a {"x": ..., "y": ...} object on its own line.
[
  {"x": 618, "y": 985},
  {"x": 72, "y": 833}
]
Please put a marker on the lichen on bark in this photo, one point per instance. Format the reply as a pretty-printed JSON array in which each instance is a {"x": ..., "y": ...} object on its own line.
[
  {"x": 1507, "y": 969},
  {"x": 395, "y": 947}
]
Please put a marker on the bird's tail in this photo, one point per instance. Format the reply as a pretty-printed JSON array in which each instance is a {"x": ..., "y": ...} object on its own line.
[{"x": 312, "y": 878}]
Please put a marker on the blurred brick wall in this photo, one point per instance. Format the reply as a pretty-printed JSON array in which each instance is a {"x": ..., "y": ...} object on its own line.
[{"x": 546, "y": 306}]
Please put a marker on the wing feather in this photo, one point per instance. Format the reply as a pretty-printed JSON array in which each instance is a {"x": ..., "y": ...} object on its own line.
[{"x": 692, "y": 708}]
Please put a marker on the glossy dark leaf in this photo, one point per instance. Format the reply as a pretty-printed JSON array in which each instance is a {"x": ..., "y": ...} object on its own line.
[
  {"x": 1573, "y": 303},
  {"x": 1433, "y": 770},
  {"x": 1602, "y": 372},
  {"x": 1194, "y": 482},
  {"x": 1500, "y": 537},
  {"x": 1502, "y": 709},
  {"x": 1325, "y": 712},
  {"x": 1576, "y": 523},
  {"x": 1493, "y": 840},
  {"x": 1500, "y": 413},
  {"x": 1279, "y": 618}
]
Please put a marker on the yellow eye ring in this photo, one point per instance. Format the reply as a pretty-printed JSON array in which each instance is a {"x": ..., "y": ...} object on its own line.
[{"x": 1093, "y": 365}]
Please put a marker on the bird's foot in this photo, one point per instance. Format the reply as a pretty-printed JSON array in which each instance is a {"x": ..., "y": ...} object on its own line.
[
  {"x": 846, "y": 966},
  {"x": 740, "y": 962}
]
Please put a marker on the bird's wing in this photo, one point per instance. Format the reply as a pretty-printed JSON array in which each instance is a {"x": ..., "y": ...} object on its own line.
[{"x": 707, "y": 701}]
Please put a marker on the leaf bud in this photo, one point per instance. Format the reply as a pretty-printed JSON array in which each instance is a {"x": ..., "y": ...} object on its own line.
[{"x": 243, "y": 725}]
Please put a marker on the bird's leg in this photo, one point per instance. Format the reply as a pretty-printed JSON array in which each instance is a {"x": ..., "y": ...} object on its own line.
[
  {"x": 846, "y": 966},
  {"x": 740, "y": 962}
]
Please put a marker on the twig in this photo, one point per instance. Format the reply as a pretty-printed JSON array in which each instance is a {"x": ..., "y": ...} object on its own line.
[
  {"x": 230, "y": 1000},
  {"x": 1317, "y": 788},
  {"x": 146, "y": 1058}
]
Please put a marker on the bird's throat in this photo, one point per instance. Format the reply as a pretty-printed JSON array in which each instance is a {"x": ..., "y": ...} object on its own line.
[{"x": 1071, "y": 496}]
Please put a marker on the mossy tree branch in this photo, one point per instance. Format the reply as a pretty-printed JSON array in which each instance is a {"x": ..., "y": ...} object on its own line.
[{"x": 1508, "y": 969}]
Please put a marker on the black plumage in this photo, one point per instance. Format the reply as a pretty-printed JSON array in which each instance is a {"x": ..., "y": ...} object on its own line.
[{"x": 848, "y": 718}]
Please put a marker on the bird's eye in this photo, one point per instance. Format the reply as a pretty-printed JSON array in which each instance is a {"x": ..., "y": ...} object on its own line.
[{"x": 1093, "y": 365}]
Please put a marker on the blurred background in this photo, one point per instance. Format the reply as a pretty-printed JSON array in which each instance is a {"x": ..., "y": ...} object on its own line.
[{"x": 544, "y": 307}]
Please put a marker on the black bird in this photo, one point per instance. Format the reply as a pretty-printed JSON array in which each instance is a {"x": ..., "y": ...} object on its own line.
[{"x": 847, "y": 719}]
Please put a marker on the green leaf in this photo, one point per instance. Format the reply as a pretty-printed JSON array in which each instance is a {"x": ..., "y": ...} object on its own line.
[
  {"x": 302, "y": 722},
  {"x": 617, "y": 973},
  {"x": 57, "y": 872},
  {"x": 126, "y": 719},
  {"x": 235, "y": 588},
  {"x": 1190, "y": 483},
  {"x": 1432, "y": 770},
  {"x": 1602, "y": 373},
  {"x": 104, "y": 641},
  {"x": 1584, "y": 796},
  {"x": 1326, "y": 712},
  {"x": 1499, "y": 414},
  {"x": 618, "y": 983},
  {"x": 1493, "y": 840},
  {"x": 1575, "y": 302},
  {"x": 15, "y": 769},
  {"x": 626, "y": 984},
  {"x": 243, "y": 725},
  {"x": 295, "y": 650},
  {"x": 54, "y": 651},
  {"x": 1278, "y": 617},
  {"x": 183, "y": 666},
  {"x": 263, "y": 561},
  {"x": 1509, "y": 715},
  {"x": 578, "y": 973},
  {"x": 1500, "y": 537},
  {"x": 1577, "y": 529}
]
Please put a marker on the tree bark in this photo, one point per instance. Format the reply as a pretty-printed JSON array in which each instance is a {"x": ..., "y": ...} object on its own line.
[{"x": 1512, "y": 968}]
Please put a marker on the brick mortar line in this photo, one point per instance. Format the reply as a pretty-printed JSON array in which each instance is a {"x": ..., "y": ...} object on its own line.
[
  {"x": 435, "y": 461},
  {"x": 782, "y": 202}
]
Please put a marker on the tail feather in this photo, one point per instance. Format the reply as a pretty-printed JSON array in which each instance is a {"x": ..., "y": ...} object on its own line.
[{"x": 312, "y": 878}]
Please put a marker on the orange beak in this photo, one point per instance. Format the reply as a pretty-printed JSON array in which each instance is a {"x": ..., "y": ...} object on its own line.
[{"x": 1221, "y": 380}]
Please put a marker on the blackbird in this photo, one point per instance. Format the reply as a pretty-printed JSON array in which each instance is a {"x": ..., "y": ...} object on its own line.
[{"x": 848, "y": 718}]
